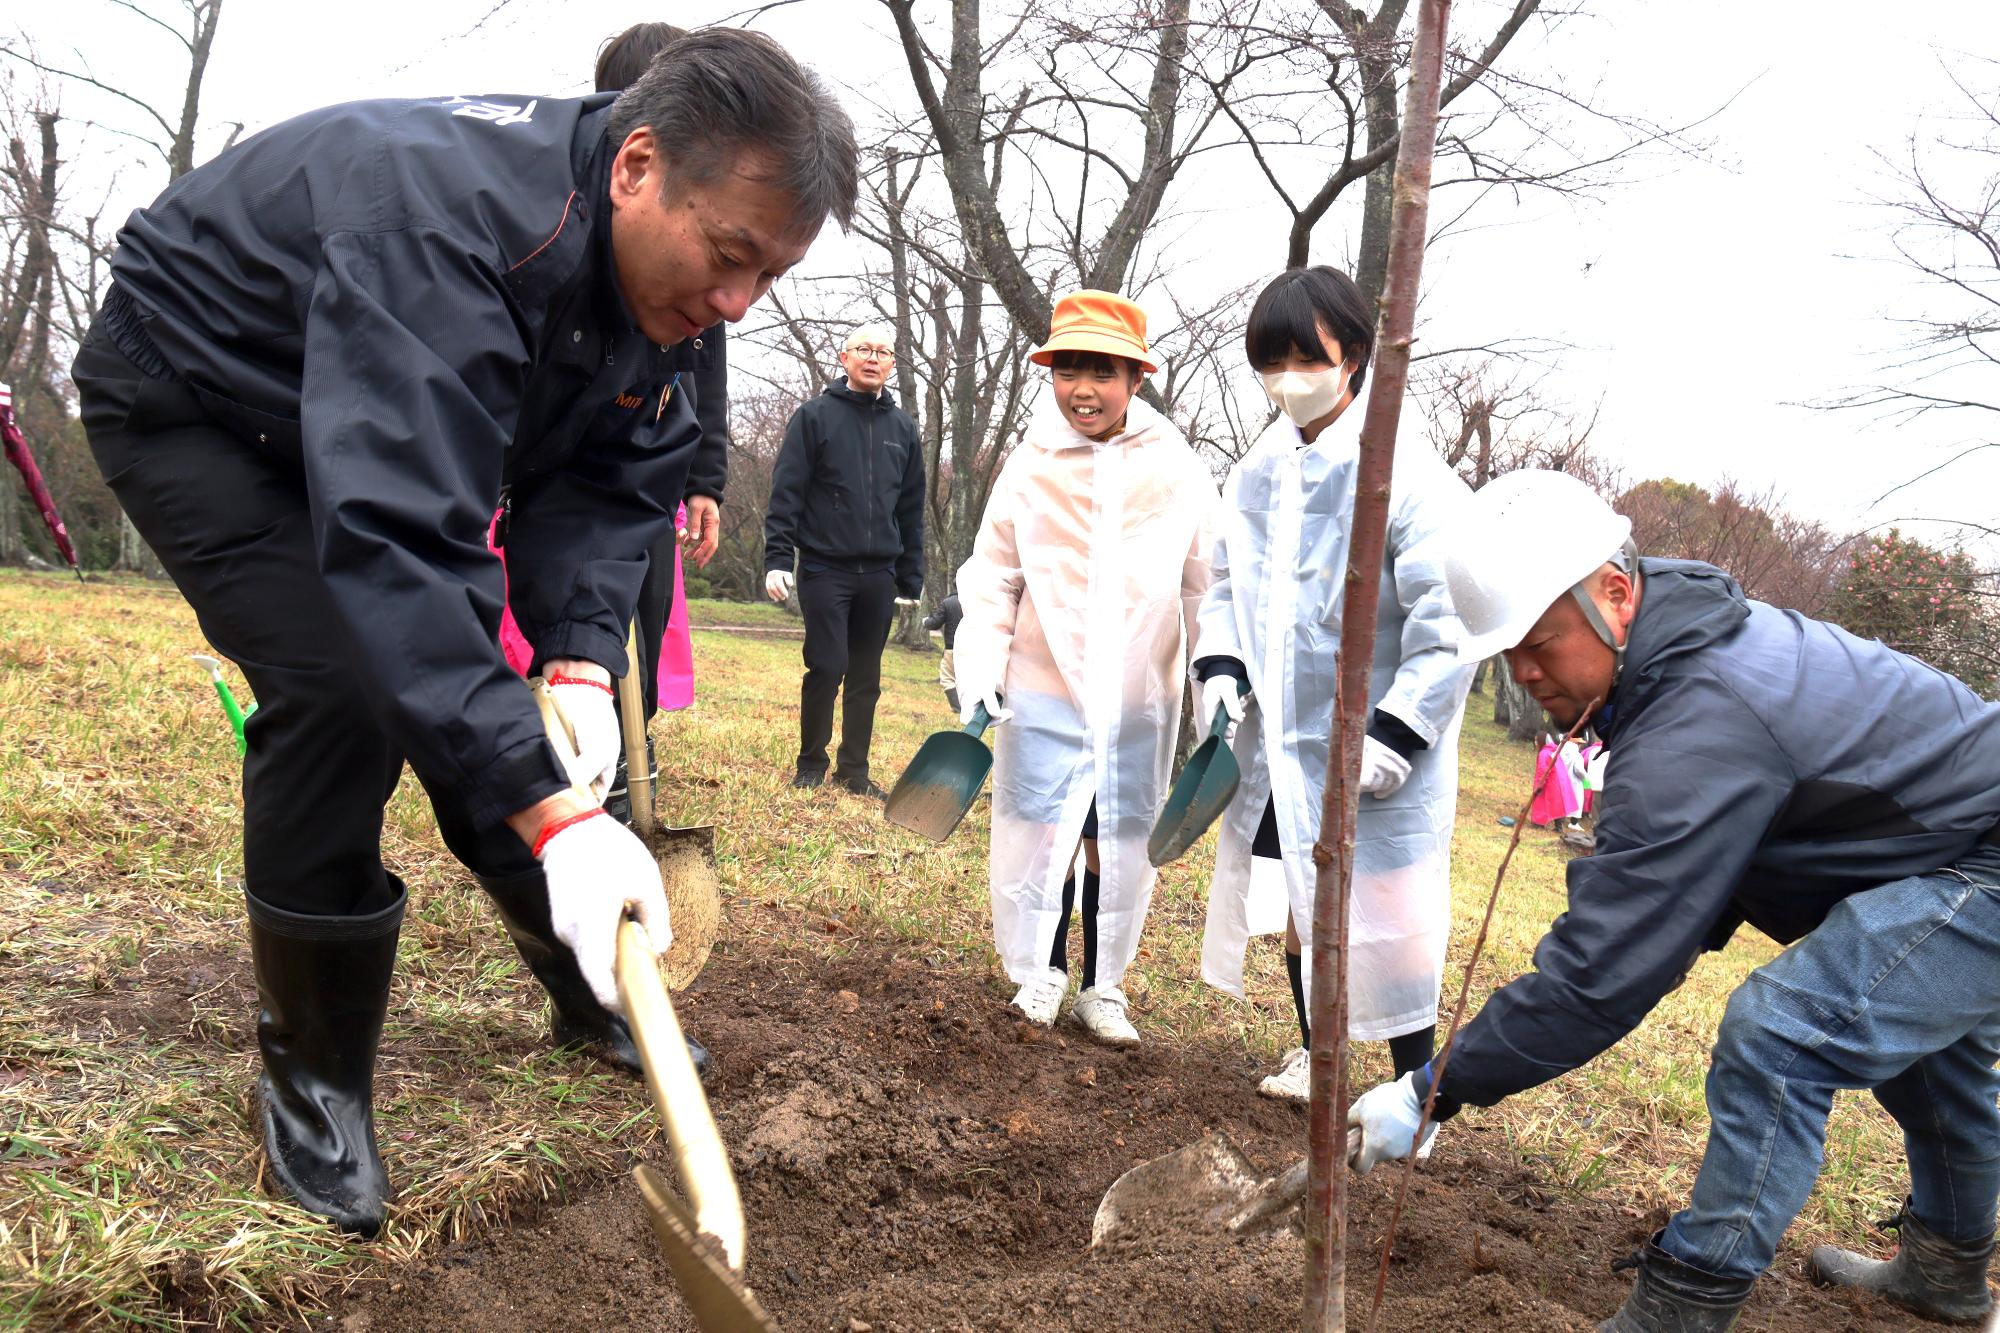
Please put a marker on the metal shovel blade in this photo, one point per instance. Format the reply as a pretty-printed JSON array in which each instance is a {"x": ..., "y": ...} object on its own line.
[
  {"x": 942, "y": 781},
  {"x": 1207, "y": 1186},
  {"x": 715, "y": 1295},
  {"x": 1198, "y": 797}
]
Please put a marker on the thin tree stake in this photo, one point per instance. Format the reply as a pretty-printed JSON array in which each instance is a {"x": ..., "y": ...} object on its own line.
[
  {"x": 1325, "y": 1211},
  {"x": 1458, "y": 1017}
]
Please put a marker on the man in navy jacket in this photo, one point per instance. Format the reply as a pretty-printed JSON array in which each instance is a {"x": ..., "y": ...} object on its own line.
[
  {"x": 326, "y": 358},
  {"x": 847, "y": 506},
  {"x": 1769, "y": 769}
]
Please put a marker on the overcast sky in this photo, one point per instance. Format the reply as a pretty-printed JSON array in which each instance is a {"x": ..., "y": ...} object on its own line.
[{"x": 1701, "y": 301}]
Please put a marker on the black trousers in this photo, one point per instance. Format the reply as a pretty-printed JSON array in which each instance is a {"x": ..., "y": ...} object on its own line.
[
  {"x": 848, "y": 619},
  {"x": 231, "y": 527}
]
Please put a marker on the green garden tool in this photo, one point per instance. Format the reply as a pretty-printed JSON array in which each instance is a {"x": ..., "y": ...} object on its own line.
[
  {"x": 943, "y": 780},
  {"x": 235, "y": 710},
  {"x": 1199, "y": 795}
]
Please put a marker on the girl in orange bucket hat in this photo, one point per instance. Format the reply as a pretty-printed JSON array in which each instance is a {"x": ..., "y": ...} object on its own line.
[{"x": 1080, "y": 601}]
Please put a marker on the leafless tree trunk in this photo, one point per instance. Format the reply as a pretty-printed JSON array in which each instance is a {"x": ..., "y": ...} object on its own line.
[{"x": 1325, "y": 1212}]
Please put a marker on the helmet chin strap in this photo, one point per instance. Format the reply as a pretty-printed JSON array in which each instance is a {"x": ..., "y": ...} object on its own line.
[{"x": 1626, "y": 559}]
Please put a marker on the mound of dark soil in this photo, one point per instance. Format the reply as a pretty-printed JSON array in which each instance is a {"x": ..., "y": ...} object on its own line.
[{"x": 912, "y": 1157}]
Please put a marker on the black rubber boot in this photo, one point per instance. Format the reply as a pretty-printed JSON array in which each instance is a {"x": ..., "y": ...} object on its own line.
[
  {"x": 322, "y": 991},
  {"x": 1931, "y": 1276},
  {"x": 1673, "y": 1297},
  {"x": 523, "y": 901}
]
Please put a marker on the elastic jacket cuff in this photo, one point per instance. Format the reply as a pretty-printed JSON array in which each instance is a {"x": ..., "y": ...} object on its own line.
[
  {"x": 577, "y": 638},
  {"x": 1208, "y": 668},
  {"x": 1392, "y": 731},
  {"x": 527, "y": 773},
  {"x": 1446, "y": 1106}
]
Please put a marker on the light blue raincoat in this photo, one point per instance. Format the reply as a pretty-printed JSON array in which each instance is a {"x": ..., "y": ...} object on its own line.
[{"x": 1274, "y": 604}]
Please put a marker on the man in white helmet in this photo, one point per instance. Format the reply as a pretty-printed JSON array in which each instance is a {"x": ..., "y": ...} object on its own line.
[{"x": 1764, "y": 768}]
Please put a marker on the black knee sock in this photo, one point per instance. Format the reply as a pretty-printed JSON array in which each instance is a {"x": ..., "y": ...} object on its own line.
[
  {"x": 1059, "y": 955},
  {"x": 1295, "y": 968},
  {"x": 1089, "y": 928},
  {"x": 1413, "y": 1050}
]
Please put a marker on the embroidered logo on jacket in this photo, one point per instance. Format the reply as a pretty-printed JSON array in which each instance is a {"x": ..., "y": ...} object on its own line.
[{"x": 499, "y": 113}]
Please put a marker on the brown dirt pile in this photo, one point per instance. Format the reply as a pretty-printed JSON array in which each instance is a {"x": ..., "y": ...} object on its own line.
[{"x": 913, "y": 1158}]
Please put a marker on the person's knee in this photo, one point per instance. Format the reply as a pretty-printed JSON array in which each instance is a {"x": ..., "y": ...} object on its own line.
[{"x": 1756, "y": 1024}]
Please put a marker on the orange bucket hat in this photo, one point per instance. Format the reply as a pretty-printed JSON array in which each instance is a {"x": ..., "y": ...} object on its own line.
[{"x": 1093, "y": 321}]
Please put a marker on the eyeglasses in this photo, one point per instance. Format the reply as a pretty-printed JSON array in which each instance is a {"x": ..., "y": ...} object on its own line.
[{"x": 872, "y": 353}]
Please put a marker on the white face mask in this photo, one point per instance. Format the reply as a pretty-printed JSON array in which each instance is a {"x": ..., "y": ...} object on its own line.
[{"x": 1305, "y": 395}]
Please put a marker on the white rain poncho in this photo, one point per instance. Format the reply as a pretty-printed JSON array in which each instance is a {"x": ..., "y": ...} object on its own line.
[
  {"x": 1085, "y": 582},
  {"x": 1275, "y": 605}
]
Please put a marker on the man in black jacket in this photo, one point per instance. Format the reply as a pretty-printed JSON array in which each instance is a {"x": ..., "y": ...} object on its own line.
[
  {"x": 847, "y": 503},
  {"x": 326, "y": 357},
  {"x": 1768, "y": 769}
]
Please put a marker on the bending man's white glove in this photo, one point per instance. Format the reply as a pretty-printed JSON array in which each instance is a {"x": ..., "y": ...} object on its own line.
[
  {"x": 1387, "y": 1118},
  {"x": 778, "y": 585},
  {"x": 596, "y": 867},
  {"x": 1225, "y": 692},
  {"x": 1382, "y": 769},
  {"x": 590, "y": 713},
  {"x": 906, "y": 601}
]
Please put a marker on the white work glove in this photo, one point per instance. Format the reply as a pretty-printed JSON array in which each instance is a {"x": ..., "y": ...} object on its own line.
[
  {"x": 1382, "y": 769},
  {"x": 596, "y": 868},
  {"x": 778, "y": 585},
  {"x": 590, "y": 714},
  {"x": 906, "y": 601},
  {"x": 977, "y": 686},
  {"x": 1226, "y": 692},
  {"x": 1386, "y": 1117}
]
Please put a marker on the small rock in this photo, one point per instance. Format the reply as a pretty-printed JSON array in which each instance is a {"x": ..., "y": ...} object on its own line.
[
  {"x": 846, "y": 1001},
  {"x": 859, "y": 1326},
  {"x": 792, "y": 1276},
  {"x": 1085, "y": 1077}
]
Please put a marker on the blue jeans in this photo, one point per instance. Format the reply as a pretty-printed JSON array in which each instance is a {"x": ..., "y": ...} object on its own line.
[{"x": 1897, "y": 991}]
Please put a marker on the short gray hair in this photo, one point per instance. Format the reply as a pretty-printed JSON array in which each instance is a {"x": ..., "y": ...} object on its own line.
[{"x": 720, "y": 92}]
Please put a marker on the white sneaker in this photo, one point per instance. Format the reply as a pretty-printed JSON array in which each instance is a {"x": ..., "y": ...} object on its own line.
[
  {"x": 1041, "y": 999},
  {"x": 1101, "y": 1009},
  {"x": 1293, "y": 1081}
]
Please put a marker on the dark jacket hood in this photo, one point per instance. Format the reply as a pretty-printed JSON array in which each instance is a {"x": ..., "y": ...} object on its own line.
[{"x": 1684, "y": 606}]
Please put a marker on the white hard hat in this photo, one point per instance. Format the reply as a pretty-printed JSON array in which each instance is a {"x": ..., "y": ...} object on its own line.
[{"x": 1527, "y": 538}]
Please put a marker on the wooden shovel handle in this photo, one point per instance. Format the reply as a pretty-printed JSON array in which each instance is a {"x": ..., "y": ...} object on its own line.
[
  {"x": 632, "y": 723},
  {"x": 699, "y": 1157}
]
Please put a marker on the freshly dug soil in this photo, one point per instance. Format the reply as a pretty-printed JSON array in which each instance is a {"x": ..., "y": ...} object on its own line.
[{"x": 912, "y": 1157}]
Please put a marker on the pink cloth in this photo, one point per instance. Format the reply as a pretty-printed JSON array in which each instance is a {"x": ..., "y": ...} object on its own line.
[
  {"x": 1556, "y": 793},
  {"x": 675, "y": 679}
]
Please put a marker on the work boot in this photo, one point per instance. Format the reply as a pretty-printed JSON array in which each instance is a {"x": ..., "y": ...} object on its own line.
[
  {"x": 1929, "y": 1275},
  {"x": 859, "y": 785},
  {"x": 618, "y": 801},
  {"x": 1041, "y": 999},
  {"x": 1673, "y": 1297},
  {"x": 580, "y": 1021},
  {"x": 322, "y": 991},
  {"x": 1101, "y": 1010},
  {"x": 807, "y": 779}
]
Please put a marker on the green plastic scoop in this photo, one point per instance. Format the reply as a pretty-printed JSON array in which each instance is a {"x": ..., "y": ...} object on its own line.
[
  {"x": 942, "y": 781},
  {"x": 1199, "y": 795}
]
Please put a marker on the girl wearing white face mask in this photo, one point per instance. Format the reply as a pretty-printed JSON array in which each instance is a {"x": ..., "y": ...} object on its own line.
[{"x": 1270, "y": 623}]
